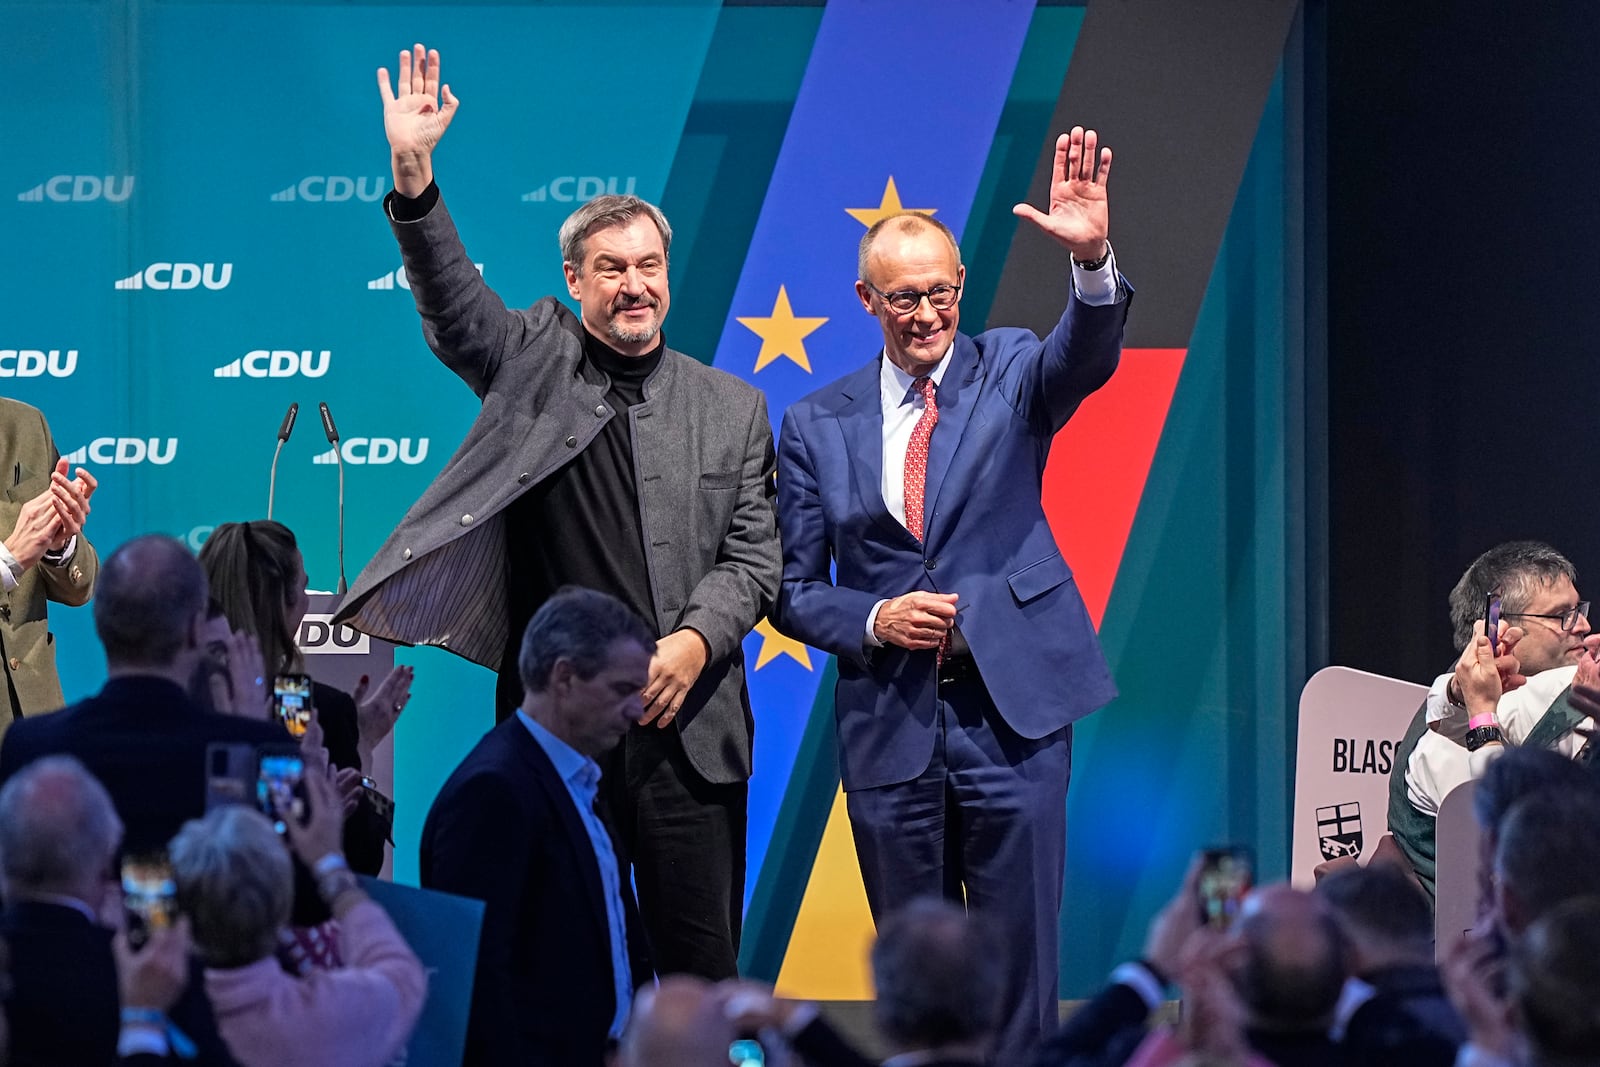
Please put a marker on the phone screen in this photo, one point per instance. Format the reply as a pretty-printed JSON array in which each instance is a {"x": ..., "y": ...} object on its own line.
[
  {"x": 1225, "y": 878},
  {"x": 280, "y": 786},
  {"x": 747, "y": 1052},
  {"x": 1491, "y": 621},
  {"x": 149, "y": 895},
  {"x": 291, "y": 701}
]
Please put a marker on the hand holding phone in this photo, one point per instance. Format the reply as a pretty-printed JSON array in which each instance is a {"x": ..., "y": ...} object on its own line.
[
  {"x": 280, "y": 786},
  {"x": 149, "y": 896}
]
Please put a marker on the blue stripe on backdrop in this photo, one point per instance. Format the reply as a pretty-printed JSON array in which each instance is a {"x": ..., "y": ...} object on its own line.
[{"x": 876, "y": 105}]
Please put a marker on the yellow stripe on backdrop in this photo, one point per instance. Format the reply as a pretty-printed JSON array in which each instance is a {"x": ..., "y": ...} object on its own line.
[{"x": 827, "y": 956}]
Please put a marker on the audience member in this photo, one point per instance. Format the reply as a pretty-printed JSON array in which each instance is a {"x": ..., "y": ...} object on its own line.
[
  {"x": 59, "y": 838},
  {"x": 1395, "y": 994},
  {"x": 1547, "y": 625},
  {"x": 680, "y": 1023},
  {"x": 236, "y": 884},
  {"x": 516, "y": 826},
  {"x": 1555, "y": 986},
  {"x": 258, "y": 576},
  {"x": 937, "y": 971},
  {"x": 141, "y": 735},
  {"x": 43, "y": 557}
]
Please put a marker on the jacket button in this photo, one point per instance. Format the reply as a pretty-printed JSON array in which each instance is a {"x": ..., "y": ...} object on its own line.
[
  {"x": 524, "y": 478},
  {"x": 466, "y": 520},
  {"x": 572, "y": 442},
  {"x": 16, "y": 664},
  {"x": 930, "y": 564},
  {"x": 600, "y": 411},
  {"x": 406, "y": 554}
]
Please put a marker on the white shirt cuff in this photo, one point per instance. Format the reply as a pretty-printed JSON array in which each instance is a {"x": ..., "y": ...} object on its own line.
[
  {"x": 1137, "y": 977},
  {"x": 1097, "y": 287},
  {"x": 56, "y": 559},
  {"x": 872, "y": 625},
  {"x": 10, "y": 569}
]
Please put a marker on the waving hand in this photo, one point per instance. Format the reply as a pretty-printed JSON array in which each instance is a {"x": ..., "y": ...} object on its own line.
[
  {"x": 1078, "y": 217},
  {"x": 415, "y": 119}
]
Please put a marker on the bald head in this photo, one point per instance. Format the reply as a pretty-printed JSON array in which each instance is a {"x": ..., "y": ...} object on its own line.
[
  {"x": 1295, "y": 967},
  {"x": 907, "y": 223},
  {"x": 677, "y": 1024},
  {"x": 148, "y": 600},
  {"x": 58, "y": 831}
]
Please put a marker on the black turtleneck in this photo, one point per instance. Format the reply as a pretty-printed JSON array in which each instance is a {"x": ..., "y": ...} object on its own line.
[{"x": 580, "y": 526}]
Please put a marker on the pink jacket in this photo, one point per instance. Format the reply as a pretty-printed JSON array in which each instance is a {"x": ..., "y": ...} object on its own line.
[{"x": 358, "y": 1015}]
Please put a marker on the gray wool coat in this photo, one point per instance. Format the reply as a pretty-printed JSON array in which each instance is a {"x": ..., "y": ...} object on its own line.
[{"x": 703, "y": 462}]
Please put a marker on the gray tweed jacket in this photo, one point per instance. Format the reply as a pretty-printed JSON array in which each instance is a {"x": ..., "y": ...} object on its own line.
[{"x": 703, "y": 460}]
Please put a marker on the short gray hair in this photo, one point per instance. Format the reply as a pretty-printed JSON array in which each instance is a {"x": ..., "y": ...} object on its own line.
[
  {"x": 1516, "y": 570},
  {"x": 602, "y": 213},
  {"x": 580, "y": 626},
  {"x": 235, "y": 882},
  {"x": 58, "y": 827},
  {"x": 904, "y": 222},
  {"x": 938, "y": 976}
]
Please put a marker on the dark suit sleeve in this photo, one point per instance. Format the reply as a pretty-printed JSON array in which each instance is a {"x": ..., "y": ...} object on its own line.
[
  {"x": 365, "y": 831},
  {"x": 1103, "y": 1032},
  {"x": 1046, "y": 384},
  {"x": 466, "y": 325},
  {"x": 820, "y": 1045},
  {"x": 741, "y": 588},
  {"x": 811, "y": 608},
  {"x": 477, "y": 845}
]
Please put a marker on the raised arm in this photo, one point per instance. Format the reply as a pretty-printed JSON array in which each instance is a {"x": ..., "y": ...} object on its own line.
[{"x": 414, "y": 119}]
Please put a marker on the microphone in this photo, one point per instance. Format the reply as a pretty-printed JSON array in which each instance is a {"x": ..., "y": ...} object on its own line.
[
  {"x": 332, "y": 433},
  {"x": 283, "y": 436}
]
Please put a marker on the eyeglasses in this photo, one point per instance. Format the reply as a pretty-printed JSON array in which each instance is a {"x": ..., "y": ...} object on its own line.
[
  {"x": 1569, "y": 618},
  {"x": 904, "y": 302}
]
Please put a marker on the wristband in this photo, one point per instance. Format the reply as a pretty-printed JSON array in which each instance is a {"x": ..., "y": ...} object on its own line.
[
  {"x": 333, "y": 861},
  {"x": 1485, "y": 719},
  {"x": 144, "y": 1017}
]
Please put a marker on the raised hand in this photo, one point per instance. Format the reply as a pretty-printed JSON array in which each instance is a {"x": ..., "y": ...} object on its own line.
[
  {"x": 415, "y": 119},
  {"x": 1078, "y": 217}
]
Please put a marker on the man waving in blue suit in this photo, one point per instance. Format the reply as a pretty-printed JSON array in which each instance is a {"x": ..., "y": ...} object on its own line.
[{"x": 916, "y": 550}]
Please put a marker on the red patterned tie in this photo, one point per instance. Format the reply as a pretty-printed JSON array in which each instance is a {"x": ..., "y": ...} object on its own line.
[{"x": 916, "y": 471}]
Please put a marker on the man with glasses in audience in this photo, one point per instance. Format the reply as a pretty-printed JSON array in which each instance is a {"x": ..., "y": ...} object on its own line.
[
  {"x": 1545, "y": 646},
  {"x": 965, "y": 650}
]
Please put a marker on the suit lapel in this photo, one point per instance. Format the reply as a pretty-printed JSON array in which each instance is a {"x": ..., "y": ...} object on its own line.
[
  {"x": 861, "y": 422},
  {"x": 577, "y": 835},
  {"x": 958, "y": 396}
]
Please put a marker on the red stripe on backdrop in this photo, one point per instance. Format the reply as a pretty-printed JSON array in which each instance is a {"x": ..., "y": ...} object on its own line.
[{"x": 1099, "y": 463}]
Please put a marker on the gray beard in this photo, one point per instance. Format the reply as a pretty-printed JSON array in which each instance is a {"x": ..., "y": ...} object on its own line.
[{"x": 622, "y": 334}]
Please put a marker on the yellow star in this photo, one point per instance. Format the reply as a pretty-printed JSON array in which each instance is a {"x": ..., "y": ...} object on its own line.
[
  {"x": 782, "y": 332},
  {"x": 774, "y": 644},
  {"x": 891, "y": 205}
]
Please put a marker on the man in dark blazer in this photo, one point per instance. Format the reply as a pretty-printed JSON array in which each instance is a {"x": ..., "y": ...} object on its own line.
[
  {"x": 600, "y": 458},
  {"x": 141, "y": 735},
  {"x": 44, "y": 556},
  {"x": 965, "y": 651},
  {"x": 516, "y": 826}
]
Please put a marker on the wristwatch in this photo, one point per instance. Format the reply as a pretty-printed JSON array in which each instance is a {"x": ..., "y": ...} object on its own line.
[
  {"x": 1094, "y": 264},
  {"x": 1483, "y": 735}
]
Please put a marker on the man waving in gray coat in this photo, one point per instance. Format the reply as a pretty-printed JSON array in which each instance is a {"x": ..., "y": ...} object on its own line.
[{"x": 600, "y": 458}]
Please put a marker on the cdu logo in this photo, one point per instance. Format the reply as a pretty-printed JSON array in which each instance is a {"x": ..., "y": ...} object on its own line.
[
  {"x": 396, "y": 279},
  {"x": 36, "y": 362},
  {"x": 1339, "y": 830},
  {"x": 79, "y": 188},
  {"x": 331, "y": 189},
  {"x": 319, "y": 637},
  {"x": 377, "y": 451},
  {"x": 573, "y": 188},
  {"x": 125, "y": 451},
  {"x": 179, "y": 276},
  {"x": 277, "y": 363}
]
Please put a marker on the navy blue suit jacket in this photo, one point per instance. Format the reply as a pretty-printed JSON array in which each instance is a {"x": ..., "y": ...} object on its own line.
[
  {"x": 1003, "y": 396},
  {"x": 505, "y": 831}
]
